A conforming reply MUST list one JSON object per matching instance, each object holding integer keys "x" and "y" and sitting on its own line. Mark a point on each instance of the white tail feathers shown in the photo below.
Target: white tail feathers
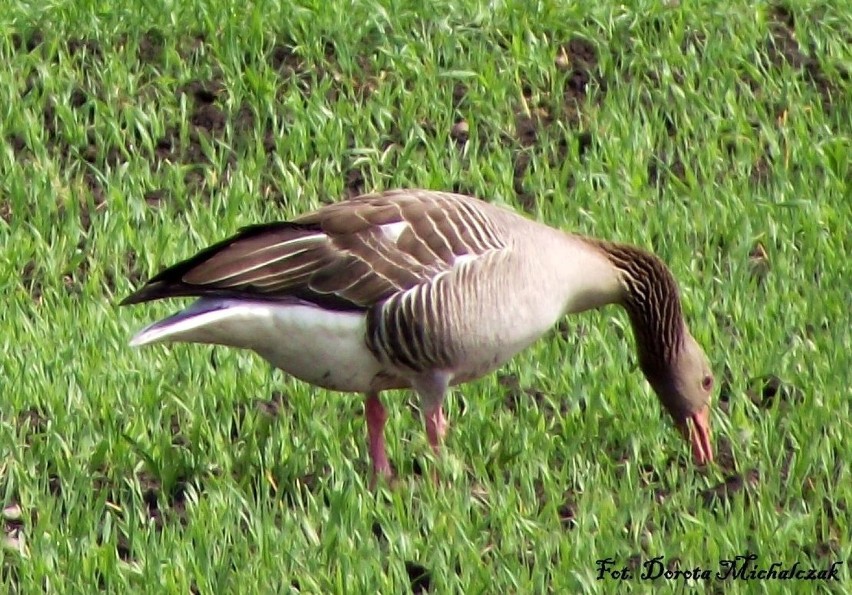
{"x": 205, "y": 321}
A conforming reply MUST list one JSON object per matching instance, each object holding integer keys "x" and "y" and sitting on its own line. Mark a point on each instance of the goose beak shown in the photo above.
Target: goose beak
{"x": 697, "y": 433}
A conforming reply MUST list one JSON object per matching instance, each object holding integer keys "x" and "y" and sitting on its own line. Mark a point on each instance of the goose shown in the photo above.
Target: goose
{"x": 424, "y": 290}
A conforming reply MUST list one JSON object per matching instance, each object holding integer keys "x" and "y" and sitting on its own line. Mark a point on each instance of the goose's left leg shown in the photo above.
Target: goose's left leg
{"x": 432, "y": 388}
{"x": 376, "y": 416}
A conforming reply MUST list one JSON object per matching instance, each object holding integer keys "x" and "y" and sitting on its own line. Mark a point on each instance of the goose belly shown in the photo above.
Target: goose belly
{"x": 486, "y": 356}
{"x": 488, "y": 341}
{"x": 324, "y": 348}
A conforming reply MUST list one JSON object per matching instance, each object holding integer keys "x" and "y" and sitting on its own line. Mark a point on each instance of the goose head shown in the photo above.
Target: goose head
{"x": 684, "y": 386}
{"x": 671, "y": 359}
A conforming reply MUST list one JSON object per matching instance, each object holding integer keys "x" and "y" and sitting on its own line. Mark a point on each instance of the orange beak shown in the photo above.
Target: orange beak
{"x": 698, "y": 435}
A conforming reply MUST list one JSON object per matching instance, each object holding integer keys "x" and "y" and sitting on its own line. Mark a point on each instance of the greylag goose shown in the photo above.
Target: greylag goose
{"x": 424, "y": 290}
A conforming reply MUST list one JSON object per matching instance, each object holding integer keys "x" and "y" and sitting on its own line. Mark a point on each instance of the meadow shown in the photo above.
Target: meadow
{"x": 135, "y": 134}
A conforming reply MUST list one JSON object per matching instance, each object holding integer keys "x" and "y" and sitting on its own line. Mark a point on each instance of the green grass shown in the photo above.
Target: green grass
{"x": 156, "y": 470}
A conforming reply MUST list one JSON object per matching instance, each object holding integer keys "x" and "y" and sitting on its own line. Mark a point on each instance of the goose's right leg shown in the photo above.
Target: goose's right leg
{"x": 432, "y": 388}
{"x": 376, "y": 416}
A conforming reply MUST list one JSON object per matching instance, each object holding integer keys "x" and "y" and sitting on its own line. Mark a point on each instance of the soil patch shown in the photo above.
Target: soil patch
{"x": 354, "y": 183}
{"x": 419, "y": 577}
{"x": 155, "y": 198}
{"x": 517, "y": 398}
{"x": 150, "y": 47}
{"x": 33, "y": 281}
{"x": 783, "y": 48}
{"x": 88, "y": 51}
{"x": 165, "y": 504}
{"x": 266, "y": 408}
{"x": 284, "y": 59}
{"x": 27, "y": 42}
{"x": 31, "y": 422}
{"x": 567, "y": 511}
{"x": 580, "y": 58}
{"x": 130, "y": 270}
{"x": 192, "y": 47}
{"x": 540, "y": 121}
{"x": 717, "y": 496}
{"x": 664, "y": 167}
{"x": 765, "y": 391}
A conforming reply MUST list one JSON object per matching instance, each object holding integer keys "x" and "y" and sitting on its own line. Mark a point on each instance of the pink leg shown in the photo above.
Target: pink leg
{"x": 376, "y": 416}
{"x": 431, "y": 387}
{"x": 436, "y": 427}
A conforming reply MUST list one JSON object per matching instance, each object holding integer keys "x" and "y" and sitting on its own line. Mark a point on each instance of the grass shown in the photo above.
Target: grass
{"x": 134, "y": 136}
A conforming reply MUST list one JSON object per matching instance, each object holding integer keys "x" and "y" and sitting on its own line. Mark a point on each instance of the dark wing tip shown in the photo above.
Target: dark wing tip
{"x": 133, "y": 298}
{"x": 152, "y": 290}
{"x": 169, "y": 283}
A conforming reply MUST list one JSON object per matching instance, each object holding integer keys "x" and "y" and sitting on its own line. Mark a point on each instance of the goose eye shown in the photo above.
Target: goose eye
{"x": 707, "y": 383}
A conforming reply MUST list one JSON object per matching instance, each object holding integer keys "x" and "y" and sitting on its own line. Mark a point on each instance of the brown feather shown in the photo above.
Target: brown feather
{"x": 338, "y": 256}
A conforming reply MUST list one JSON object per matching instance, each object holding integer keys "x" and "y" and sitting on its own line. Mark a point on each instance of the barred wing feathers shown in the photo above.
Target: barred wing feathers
{"x": 345, "y": 256}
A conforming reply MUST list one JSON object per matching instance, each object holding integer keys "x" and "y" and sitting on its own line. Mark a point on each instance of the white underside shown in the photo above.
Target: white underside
{"x": 323, "y": 348}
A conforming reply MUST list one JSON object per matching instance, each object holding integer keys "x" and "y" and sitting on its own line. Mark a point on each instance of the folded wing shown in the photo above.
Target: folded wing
{"x": 346, "y": 256}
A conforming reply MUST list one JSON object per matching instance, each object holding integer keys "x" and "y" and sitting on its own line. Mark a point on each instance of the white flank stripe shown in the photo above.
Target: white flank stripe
{"x": 324, "y": 348}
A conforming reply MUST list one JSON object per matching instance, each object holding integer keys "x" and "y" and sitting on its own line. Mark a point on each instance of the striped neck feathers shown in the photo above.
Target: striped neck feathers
{"x": 652, "y": 301}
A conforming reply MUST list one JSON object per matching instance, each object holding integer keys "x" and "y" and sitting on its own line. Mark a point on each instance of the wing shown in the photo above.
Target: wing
{"x": 346, "y": 256}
